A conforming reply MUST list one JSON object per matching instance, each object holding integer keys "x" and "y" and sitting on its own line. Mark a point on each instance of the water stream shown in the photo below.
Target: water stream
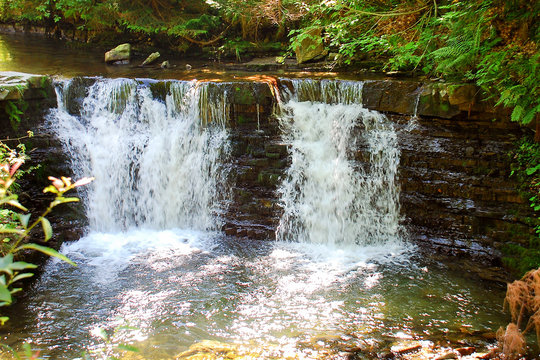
{"x": 341, "y": 272}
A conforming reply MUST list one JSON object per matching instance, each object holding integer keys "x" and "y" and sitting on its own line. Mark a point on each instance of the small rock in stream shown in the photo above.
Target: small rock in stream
{"x": 446, "y": 356}
{"x": 405, "y": 349}
{"x": 151, "y": 58}
{"x": 464, "y": 351}
{"x": 121, "y": 53}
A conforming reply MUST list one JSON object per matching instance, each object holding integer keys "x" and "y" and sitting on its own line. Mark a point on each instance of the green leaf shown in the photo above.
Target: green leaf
{"x": 15, "y": 290}
{"x": 126, "y": 347}
{"x": 7, "y": 347}
{"x": 47, "y": 228}
{"x": 52, "y": 189}
{"x": 22, "y": 276}
{"x": 24, "y": 219}
{"x": 14, "y": 203}
{"x": 532, "y": 170}
{"x": 5, "y": 294}
{"x": 21, "y": 265}
{"x": 3, "y": 320}
{"x": 47, "y": 251}
{"x": 11, "y": 231}
{"x": 6, "y": 261}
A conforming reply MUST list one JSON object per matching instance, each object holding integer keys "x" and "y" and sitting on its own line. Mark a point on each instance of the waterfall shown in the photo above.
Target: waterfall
{"x": 341, "y": 185}
{"x": 158, "y": 162}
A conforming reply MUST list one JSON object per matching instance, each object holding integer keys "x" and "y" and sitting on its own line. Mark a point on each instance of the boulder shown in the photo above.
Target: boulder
{"x": 311, "y": 47}
{"x": 151, "y": 58}
{"x": 120, "y": 53}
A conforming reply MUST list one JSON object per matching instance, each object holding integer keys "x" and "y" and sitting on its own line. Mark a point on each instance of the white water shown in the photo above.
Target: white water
{"x": 155, "y": 164}
{"x": 327, "y": 196}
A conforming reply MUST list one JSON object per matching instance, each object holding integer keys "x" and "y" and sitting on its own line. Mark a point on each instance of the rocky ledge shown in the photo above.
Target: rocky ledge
{"x": 454, "y": 172}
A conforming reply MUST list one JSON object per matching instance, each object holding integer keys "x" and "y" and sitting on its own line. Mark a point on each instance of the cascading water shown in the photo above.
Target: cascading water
{"x": 155, "y": 163}
{"x": 152, "y": 259}
{"x": 327, "y": 196}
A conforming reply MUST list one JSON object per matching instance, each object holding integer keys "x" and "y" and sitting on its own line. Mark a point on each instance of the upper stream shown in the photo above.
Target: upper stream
{"x": 341, "y": 274}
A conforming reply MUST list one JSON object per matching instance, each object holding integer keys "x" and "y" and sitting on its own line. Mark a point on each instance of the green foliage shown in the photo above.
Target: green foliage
{"x": 526, "y": 168}
{"x": 15, "y": 225}
{"x": 520, "y": 258}
{"x": 491, "y": 42}
{"x": 196, "y": 27}
{"x": 514, "y": 78}
{"x": 15, "y": 110}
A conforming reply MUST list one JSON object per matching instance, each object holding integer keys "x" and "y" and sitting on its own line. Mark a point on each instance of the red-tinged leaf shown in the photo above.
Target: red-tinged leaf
{"x": 57, "y": 183}
{"x": 83, "y": 181}
{"x": 16, "y": 166}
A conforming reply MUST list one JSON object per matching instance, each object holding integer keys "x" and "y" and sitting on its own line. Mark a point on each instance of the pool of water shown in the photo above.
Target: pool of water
{"x": 177, "y": 287}
{"x": 37, "y": 54}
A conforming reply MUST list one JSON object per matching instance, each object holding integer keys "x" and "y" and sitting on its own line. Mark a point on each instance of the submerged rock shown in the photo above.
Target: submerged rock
{"x": 209, "y": 349}
{"x": 151, "y": 58}
{"x": 120, "y": 53}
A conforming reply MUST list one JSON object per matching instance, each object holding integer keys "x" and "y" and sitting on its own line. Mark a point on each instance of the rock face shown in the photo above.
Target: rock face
{"x": 151, "y": 58}
{"x": 120, "y": 53}
{"x": 311, "y": 47}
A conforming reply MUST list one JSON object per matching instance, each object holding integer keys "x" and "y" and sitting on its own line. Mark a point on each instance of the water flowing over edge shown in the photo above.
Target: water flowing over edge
{"x": 329, "y": 195}
{"x": 158, "y": 162}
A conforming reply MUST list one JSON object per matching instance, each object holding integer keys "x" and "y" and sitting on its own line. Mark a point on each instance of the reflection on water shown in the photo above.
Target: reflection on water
{"x": 5, "y": 54}
{"x": 178, "y": 287}
{"x": 36, "y": 54}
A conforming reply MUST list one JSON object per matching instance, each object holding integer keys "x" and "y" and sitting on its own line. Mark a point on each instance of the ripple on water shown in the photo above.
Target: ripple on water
{"x": 178, "y": 287}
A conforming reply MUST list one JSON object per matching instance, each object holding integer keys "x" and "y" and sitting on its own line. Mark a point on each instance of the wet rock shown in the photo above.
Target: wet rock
{"x": 151, "y": 59}
{"x": 492, "y": 354}
{"x": 446, "y": 356}
{"x": 18, "y": 86}
{"x": 390, "y": 95}
{"x": 405, "y": 349}
{"x": 165, "y": 65}
{"x": 188, "y": 67}
{"x": 311, "y": 47}
{"x": 466, "y": 350}
{"x": 120, "y": 53}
